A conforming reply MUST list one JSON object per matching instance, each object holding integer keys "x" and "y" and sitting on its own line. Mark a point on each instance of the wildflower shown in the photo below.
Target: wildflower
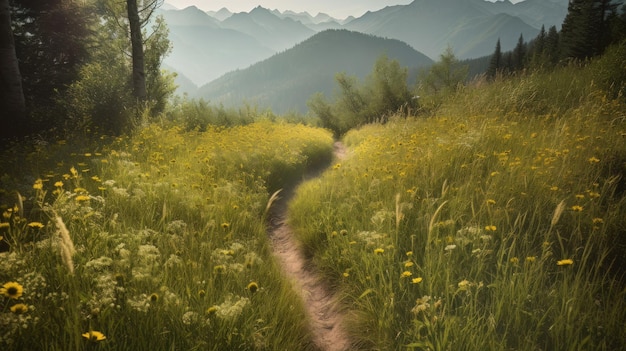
{"x": 58, "y": 184}
{"x": 577, "y": 208}
{"x": 346, "y": 274}
{"x": 580, "y": 196}
{"x": 82, "y": 198}
{"x": 565, "y": 262}
{"x": 225, "y": 225}
{"x": 491, "y": 228}
{"x": 593, "y": 160}
{"x": 514, "y": 260}
{"x": 408, "y": 264}
{"x": 531, "y": 259}
{"x": 594, "y": 194}
{"x": 464, "y": 284}
{"x": 554, "y": 188}
{"x": 597, "y": 221}
{"x": 37, "y": 225}
{"x": 94, "y": 336}
{"x": 491, "y": 202}
{"x": 19, "y": 308}
{"x": 219, "y": 269}
{"x": 406, "y": 274}
{"x": 4, "y": 225}
{"x": 253, "y": 287}
{"x": 12, "y": 290}
{"x": 450, "y": 247}
{"x": 201, "y": 293}
{"x": 343, "y": 232}
{"x": 421, "y": 304}
{"x": 379, "y": 251}
{"x": 38, "y": 184}
{"x": 416, "y": 280}
{"x": 211, "y": 310}
{"x": 495, "y": 173}
{"x": 409, "y": 253}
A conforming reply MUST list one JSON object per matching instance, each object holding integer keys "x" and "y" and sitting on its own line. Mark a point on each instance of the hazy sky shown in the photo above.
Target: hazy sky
{"x": 336, "y": 8}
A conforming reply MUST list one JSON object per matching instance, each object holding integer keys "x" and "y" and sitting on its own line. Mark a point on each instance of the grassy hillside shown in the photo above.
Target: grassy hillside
{"x": 497, "y": 224}
{"x": 156, "y": 241}
{"x": 287, "y": 80}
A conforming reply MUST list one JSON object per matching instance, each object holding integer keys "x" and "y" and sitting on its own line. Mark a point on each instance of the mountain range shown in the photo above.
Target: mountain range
{"x": 207, "y": 45}
{"x": 285, "y": 81}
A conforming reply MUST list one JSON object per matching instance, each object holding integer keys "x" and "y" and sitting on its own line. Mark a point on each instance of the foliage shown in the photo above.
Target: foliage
{"x": 52, "y": 40}
{"x": 199, "y": 115}
{"x": 441, "y": 80}
{"x": 155, "y": 241}
{"x": 384, "y": 92}
{"x": 497, "y": 224}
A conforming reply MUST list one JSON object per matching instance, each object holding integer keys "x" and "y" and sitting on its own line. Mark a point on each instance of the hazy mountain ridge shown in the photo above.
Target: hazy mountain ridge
{"x": 209, "y": 44}
{"x": 285, "y": 81}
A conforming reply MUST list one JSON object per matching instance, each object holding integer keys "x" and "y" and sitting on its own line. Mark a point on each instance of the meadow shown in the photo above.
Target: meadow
{"x": 153, "y": 241}
{"x": 496, "y": 222}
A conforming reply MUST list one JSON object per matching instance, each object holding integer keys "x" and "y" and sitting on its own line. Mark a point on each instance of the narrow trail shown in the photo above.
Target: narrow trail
{"x": 320, "y": 303}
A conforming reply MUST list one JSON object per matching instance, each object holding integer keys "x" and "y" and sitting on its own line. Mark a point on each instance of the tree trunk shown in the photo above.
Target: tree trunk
{"x": 12, "y": 104}
{"x": 139, "y": 76}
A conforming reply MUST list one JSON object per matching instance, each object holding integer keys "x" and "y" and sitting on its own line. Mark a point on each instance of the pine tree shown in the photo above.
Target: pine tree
{"x": 551, "y": 47}
{"x": 495, "y": 64}
{"x": 519, "y": 54}
{"x": 586, "y": 32}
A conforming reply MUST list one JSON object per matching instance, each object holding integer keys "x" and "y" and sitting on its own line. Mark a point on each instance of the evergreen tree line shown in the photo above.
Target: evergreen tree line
{"x": 72, "y": 66}
{"x": 589, "y": 27}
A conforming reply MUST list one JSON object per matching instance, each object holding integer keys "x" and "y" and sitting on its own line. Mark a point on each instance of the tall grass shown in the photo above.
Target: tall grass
{"x": 170, "y": 248}
{"x": 495, "y": 225}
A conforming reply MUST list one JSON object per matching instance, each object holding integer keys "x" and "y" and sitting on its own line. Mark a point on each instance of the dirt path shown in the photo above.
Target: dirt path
{"x": 319, "y": 300}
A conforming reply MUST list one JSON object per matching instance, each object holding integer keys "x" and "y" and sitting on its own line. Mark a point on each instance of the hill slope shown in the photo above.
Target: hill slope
{"x": 287, "y": 80}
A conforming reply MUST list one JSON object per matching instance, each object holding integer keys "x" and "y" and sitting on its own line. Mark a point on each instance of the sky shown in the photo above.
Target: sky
{"x": 336, "y": 8}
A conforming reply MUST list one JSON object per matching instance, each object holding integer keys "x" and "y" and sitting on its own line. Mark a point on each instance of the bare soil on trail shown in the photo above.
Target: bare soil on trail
{"x": 322, "y": 309}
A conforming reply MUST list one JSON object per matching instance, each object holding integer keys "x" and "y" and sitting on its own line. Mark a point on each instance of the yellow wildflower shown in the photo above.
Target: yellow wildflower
{"x": 12, "y": 290}
{"x": 416, "y": 280}
{"x": 406, "y": 274}
{"x": 490, "y": 228}
{"x": 577, "y": 208}
{"x": 38, "y": 225}
{"x": 379, "y": 251}
{"x": 253, "y": 287}
{"x": 38, "y": 184}
{"x": 565, "y": 262}
{"x": 211, "y": 310}
{"x": 19, "y": 308}
{"x": 94, "y": 336}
